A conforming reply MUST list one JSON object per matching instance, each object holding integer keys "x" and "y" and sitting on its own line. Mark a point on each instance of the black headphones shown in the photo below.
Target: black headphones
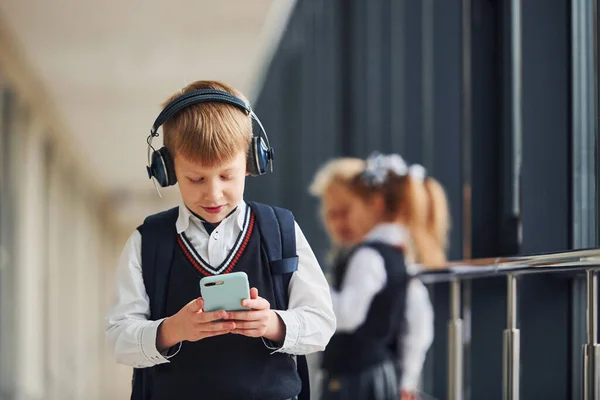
{"x": 160, "y": 162}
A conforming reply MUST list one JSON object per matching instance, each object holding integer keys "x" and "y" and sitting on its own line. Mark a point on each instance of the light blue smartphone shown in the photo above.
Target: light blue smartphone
{"x": 225, "y": 292}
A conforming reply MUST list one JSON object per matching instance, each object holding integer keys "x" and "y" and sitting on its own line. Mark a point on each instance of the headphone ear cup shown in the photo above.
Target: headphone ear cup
{"x": 170, "y": 164}
{"x": 163, "y": 168}
{"x": 251, "y": 159}
{"x": 259, "y": 156}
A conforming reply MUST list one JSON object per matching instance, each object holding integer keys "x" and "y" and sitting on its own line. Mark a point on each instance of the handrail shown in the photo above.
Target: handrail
{"x": 568, "y": 261}
{"x": 587, "y": 260}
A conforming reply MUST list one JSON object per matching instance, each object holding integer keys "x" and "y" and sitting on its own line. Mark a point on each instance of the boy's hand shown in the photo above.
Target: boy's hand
{"x": 191, "y": 323}
{"x": 259, "y": 321}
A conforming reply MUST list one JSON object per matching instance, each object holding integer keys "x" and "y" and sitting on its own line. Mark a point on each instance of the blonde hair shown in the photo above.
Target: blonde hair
{"x": 339, "y": 170}
{"x": 419, "y": 204}
{"x": 209, "y": 133}
{"x": 430, "y": 232}
{"x": 438, "y": 222}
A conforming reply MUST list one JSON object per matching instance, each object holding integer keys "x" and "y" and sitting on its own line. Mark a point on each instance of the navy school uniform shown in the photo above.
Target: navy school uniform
{"x": 385, "y": 321}
{"x": 224, "y": 367}
{"x": 228, "y": 366}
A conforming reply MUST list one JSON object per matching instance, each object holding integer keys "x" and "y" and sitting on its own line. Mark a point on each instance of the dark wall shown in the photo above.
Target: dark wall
{"x": 346, "y": 81}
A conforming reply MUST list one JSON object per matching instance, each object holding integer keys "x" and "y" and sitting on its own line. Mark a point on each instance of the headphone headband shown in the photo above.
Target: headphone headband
{"x": 160, "y": 163}
{"x": 197, "y": 97}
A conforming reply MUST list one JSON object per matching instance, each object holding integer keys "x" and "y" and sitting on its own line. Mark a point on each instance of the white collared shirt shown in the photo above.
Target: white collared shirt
{"x": 309, "y": 320}
{"x": 365, "y": 277}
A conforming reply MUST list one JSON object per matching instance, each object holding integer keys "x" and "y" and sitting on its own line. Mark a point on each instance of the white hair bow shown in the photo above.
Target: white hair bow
{"x": 379, "y": 165}
{"x": 418, "y": 172}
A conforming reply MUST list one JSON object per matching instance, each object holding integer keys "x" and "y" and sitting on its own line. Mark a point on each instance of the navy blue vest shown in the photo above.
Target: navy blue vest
{"x": 375, "y": 340}
{"x": 228, "y": 366}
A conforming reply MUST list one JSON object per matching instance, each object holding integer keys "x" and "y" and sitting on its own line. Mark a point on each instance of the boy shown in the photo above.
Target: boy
{"x": 186, "y": 352}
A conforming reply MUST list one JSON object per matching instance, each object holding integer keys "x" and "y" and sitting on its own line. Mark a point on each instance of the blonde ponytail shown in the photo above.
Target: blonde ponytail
{"x": 416, "y": 213}
{"x": 438, "y": 220}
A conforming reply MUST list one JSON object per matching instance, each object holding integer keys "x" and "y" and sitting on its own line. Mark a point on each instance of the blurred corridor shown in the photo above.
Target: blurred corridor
{"x": 498, "y": 99}
{"x": 80, "y": 86}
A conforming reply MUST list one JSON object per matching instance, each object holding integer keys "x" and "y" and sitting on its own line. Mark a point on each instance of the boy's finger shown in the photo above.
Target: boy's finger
{"x": 205, "y": 317}
{"x": 254, "y": 293}
{"x": 200, "y": 304}
{"x": 217, "y": 326}
{"x": 245, "y": 315}
{"x": 256, "y": 304}
{"x": 247, "y": 325}
{"x": 196, "y": 305}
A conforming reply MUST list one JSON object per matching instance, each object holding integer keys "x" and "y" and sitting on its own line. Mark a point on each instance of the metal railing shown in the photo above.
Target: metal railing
{"x": 587, "y": 261}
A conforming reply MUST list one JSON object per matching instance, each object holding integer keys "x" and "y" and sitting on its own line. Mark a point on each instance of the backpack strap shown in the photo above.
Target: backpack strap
{"x": 277, "y": 227}
{"x": 278, "y": 230}
{"x": 158, "y": 244}
{"x": 159, "y": 236}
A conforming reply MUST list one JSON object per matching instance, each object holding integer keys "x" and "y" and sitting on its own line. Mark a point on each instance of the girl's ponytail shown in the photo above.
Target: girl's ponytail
{"x": 419, "y": 211}
{"x": 438, "y": 219}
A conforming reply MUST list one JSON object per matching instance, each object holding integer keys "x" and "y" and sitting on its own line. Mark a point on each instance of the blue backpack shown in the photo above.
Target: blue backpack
{"x": 276, "y": 227}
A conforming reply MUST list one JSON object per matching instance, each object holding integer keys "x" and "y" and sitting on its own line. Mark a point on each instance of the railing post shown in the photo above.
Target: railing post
{"x": 511, "y": 356}
{"x": 455, "y": 345}
{"x": 591, "y": 354}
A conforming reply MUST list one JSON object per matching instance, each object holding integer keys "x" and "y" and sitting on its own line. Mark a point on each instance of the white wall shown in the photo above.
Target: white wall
{"x": 63, "y": 244}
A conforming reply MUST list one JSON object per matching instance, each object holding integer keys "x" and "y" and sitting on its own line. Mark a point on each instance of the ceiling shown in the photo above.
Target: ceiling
{"x": 106, "y": 67}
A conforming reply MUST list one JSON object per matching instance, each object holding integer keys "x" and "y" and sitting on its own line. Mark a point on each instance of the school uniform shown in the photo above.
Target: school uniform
{"x": 376, "y": 303}
{"x": 227, "y": 366}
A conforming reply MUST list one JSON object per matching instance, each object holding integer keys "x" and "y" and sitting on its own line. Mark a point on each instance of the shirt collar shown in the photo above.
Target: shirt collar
{"x": 185, "y": 215}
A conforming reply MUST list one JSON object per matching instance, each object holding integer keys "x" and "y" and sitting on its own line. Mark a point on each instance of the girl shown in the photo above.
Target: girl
{"x": 374, "y": 299}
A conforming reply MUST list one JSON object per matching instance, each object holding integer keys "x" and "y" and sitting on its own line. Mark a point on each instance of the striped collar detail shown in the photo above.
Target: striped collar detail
{"x": 231, "y": 260}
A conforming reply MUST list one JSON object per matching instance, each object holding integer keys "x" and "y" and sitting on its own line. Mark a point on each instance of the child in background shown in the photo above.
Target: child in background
{"x": 374, "y": 298}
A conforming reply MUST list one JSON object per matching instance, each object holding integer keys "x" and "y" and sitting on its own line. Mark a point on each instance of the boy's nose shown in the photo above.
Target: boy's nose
{"x": 213, "y": 193}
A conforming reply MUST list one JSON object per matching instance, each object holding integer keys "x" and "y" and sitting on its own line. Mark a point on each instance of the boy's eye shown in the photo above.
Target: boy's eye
{"x": 226, "y": 177}
{"x": 199, "y": 180}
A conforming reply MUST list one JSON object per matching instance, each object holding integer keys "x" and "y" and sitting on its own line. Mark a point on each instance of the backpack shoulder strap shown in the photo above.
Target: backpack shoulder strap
{"x": 278, "y": 229}
{"x": 158, "y": 243}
